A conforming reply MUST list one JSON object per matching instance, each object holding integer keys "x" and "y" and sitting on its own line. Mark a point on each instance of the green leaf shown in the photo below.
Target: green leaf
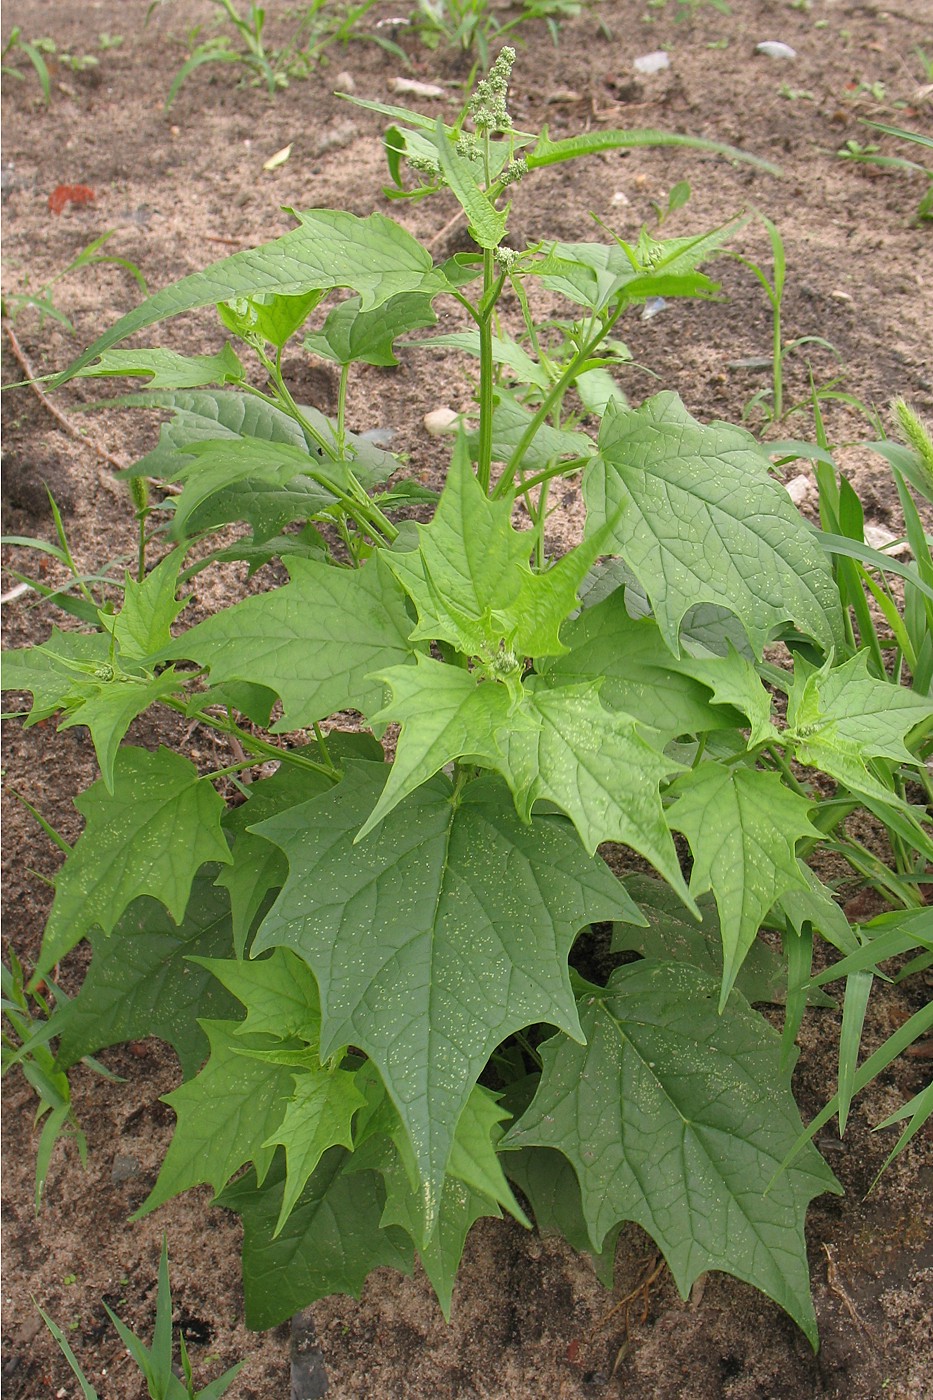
{"x": 149, "y": 837}
{"x": 599, "y": 767}
{"x": 486, "y": 223}
{"x": 330, "y": 1243}
{"x": 548, "y": 152}
{"x": 597, "y": 275}
{"x": 505, "y": 351}
{"x": 278, "y": 991}
{"x": 676, "y": 1117}
{"x": 445, "y": 713}
{"x": 735, "y": 682}
{"x": 352, "y": 336}
{"x": 315, "y": 641}
{"x": 473, "y": 1156}
{"x": 459, "y": 1209}
{"x": 642, "y": 678}
{"x": 109, "y": 709}
{"x": 471, "y": 582}
{"x": 743, "y": 826}
{"x": 142, "y": 983}
{"x": 170, "y": 370}
{"x": 258, "y": 866}
{"x": 318, "y": 1116}
{"x": 671, "y": 936}
{"x": 839, "y": 717}
{"x": 331, "y": 248}
{"x": 510, "y": 420}
{"x": 813, "y": 904}
{"x": 207, "y": 416}
{"x": 45, "y": 672}
{"x": 227, "y": 469}
{"x": 143, "y": 625}
{"x": 273, "y": 317}
{"x": 699, "y": 520}
{"x": 225, "y": 1116}
{"x": 434, "y": 938}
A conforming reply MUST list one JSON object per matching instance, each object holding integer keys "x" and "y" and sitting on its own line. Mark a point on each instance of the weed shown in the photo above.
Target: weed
{"x": 374, "y": 967}
{"x": 30, "y": 50}
{"x": 155, "y": 1363}
{"x": 42, "y": 299}
{"x": 871, "y": 155}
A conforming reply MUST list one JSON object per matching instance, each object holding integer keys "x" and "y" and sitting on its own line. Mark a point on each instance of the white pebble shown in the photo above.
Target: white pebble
{"x": 773, "y": 48}
{"x": 441, "y": 420}
{"x": 650, "y": 63}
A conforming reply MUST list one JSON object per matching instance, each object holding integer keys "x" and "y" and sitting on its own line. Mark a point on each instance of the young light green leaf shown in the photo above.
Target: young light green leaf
{"x": 278, "y": 991}
{"x": 316, "y": 641}
{"x": 699, "y": 520}
{"x": 601, "y": 768}
{"x": 109, "y": 708}
{"x": 352, "y": 336}
{"x": 141, "y": 981}
{"x": 149, "y": 837}
{"x": 743, "y": 826}
{"x": 734, "y": 681}
{"x": 318, "y": 1116}
{"x": 273, "y": 317}
{"x": 330, "y": 1243}
{"x": 840, "y": 717}
{"x": 45, "y": 671}
{"x": 374, "y": 256}
{"x": 676, "y": 1117}
{"x": 471, "y": 582}
{"x": 548, "y": 152}
{"x": 433, "y": 939}
{"x": 642, "y": 678}
{"x": 473, "y": 1156}
{"x": 168, "y": 369}
{"x": 224, "y": 1116}
{"x": 143, "y": 625}
{"x": 445, "y": 713}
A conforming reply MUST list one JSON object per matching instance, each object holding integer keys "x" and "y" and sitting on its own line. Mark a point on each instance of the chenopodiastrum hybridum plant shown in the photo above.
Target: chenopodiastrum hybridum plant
{"x": 372, "y": 971}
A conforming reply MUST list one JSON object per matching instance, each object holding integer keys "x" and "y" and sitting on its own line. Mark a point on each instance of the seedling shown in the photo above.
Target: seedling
{"x": 155, "y": 1363}
{"x": 870, "y": 154}
{"x": 371, "y": 971}
{"x": 42, "y": 299}
{"x": 32, "y": 52}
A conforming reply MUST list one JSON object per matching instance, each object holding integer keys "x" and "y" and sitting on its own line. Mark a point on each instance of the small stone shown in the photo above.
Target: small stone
{"x": 839, "y": 295}
{"x": 410, "y": 87}
{"x": 773, "y": 48}
{"x": 620, "y": 198}
{"x": 441, "y": 420}
{"x": 124, "y": 1168}
{"x": 563, "y": 95}
{"x": 653, "y": 307}
{"x": 880, "y": 538}
{"x": 654, "y": 62}
{"x": 344, "y": 82}
{"x": 800, "y": 489}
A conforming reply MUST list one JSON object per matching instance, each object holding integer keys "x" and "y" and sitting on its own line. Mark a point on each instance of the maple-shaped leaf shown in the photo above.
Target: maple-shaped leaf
{"x": 840, "y": 717}
{"x": 603, "y": 769}
{"x": 672, "y": 935}
{"x": 445, "y": 713}
{"x": 318, "y": 1116}
{"x": 434, "y": 938}
{"x": 59, "y": 673}
{"x": 330, "y": 1243}
{"x": 640, "y": 676}
{"x": 697, "y": 517}
{"x": 471, "y": 581}
{"x": 473, "y": 1156}
{"x": 258, "y": 866}
{"x": 743, "y": 826}
{"x": 150, "y": 836}
{"x": 225, "y": 1115}
{"x": 109, "y": 708}
{"x": 735, "y": 682}
{"x": 352, "y": 336}
{"x": 278, "y": 991}
{"x": 678, "y": 1118}
{"x": 315, "y": 642}
{"x": 143, "y": 625}
{"x": 142, "y": 981}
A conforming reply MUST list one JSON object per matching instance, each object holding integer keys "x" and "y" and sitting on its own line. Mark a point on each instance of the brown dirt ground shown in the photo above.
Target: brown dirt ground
{"x": 181, "y": 188}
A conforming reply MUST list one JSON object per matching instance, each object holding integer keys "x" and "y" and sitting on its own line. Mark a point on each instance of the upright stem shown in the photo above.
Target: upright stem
{"x": 486, "y": 372}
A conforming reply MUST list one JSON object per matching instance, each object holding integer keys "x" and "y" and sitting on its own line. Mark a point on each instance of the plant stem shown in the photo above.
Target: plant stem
{"x": 251, "y": 742}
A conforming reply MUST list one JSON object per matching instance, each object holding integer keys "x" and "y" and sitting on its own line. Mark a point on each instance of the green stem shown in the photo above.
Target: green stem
{"x": 251, "y": 742}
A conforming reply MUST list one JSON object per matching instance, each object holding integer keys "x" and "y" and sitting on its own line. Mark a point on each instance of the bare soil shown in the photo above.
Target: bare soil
{"x": 184, "y": 187}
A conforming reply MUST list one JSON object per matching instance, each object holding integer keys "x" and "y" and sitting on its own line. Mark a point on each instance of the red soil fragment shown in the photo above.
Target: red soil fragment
{"x": 69, "y": 194}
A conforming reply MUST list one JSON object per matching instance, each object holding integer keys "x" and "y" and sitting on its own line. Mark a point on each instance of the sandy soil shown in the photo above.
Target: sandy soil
{"x": 184, "y": 187}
